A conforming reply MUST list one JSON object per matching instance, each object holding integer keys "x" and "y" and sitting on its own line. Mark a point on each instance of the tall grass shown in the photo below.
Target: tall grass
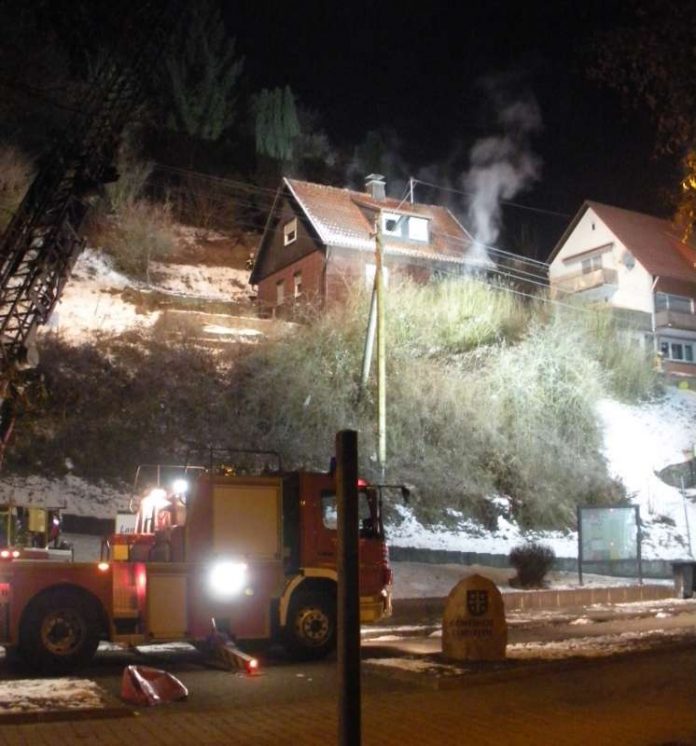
{"x": 487, "y": 396}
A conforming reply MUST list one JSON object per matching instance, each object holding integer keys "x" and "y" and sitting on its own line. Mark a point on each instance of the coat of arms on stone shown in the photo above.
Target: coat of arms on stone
{"x": 477, "y": 602}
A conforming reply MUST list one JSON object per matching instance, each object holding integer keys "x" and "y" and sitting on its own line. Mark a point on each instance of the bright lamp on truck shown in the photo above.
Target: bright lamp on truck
{"x": 228, "y": 579}
{"x": 180, "y": 487}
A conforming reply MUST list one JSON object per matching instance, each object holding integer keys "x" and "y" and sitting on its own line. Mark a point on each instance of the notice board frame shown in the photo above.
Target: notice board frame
{"x": 636, "y": 510}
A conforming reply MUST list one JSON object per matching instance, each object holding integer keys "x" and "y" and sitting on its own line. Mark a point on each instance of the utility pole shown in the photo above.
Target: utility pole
{"x": 381, "y": 358}
{"x": 410, "y": 189}
{"x": 369, "y": 339}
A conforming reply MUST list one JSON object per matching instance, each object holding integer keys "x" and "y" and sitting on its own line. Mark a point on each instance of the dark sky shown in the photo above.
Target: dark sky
{"x": 415, "y": 69}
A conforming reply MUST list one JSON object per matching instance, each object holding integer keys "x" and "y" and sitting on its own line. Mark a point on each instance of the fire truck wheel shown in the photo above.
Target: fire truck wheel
{"x": 311, "y": 625}
{"x": 59, "y": 631}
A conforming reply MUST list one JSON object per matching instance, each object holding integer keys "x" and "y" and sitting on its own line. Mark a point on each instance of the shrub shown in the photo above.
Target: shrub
{"x": 139, "y": 233}
{"x": 532, "y": 561}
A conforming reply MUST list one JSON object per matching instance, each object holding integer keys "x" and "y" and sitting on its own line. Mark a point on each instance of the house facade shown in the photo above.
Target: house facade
{"x": 638, "y": 265}
{"x": 319, "y": 241}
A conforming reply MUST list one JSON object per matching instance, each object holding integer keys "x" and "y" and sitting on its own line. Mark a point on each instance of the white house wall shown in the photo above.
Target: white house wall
{"x": 634, "y": 285}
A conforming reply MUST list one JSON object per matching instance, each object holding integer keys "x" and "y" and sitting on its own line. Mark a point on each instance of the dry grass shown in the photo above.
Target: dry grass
{"x": 486, "y": 397}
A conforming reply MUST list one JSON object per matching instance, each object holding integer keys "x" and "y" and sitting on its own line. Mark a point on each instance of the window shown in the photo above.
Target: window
{"x": 368, "y": 515}
{"x": 677, "y": 303}
{"x": 297, "y": 284}
{"x": 280, "y": 292}
{"x": 418, "y": 229}
{"x": 678, "y": 351}
{"x": 290, "y": 232}
{"x": 591, "y": 263}
{"x": 410, "y": 227}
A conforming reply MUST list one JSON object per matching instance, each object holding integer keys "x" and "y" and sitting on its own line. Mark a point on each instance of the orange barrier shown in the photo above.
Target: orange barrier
{"x": 142, "y": 685}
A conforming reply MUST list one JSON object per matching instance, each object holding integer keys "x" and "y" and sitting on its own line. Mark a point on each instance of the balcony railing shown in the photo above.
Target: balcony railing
{"x": 675, "y": 320}
{"x": 579, "y": 282}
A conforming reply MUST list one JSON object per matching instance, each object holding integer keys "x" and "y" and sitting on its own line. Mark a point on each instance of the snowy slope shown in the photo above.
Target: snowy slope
{"x": 637, "y": 440}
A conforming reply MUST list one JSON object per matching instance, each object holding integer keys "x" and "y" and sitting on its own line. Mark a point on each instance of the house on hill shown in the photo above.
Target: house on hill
{"x": 636, "y": 264}
{"x": 320, "y": 240}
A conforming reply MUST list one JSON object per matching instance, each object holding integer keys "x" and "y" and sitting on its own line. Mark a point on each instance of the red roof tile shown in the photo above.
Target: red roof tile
{"x": 654, "y": 242}
{"x": 342, "y": 217}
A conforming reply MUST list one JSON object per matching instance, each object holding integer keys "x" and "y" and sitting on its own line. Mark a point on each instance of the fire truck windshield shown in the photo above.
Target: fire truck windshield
{"x": 368, "y": 512}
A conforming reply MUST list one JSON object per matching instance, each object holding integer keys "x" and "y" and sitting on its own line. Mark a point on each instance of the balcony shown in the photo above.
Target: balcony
{"x": 602, "y": 283}
{"x": 675, "y": 320}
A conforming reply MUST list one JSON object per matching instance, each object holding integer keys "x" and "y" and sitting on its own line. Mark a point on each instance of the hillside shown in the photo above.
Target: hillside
{"x": 183, "y": 306}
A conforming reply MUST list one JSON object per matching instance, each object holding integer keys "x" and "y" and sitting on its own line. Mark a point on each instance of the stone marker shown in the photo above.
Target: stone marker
{"x": 474, "y": 626}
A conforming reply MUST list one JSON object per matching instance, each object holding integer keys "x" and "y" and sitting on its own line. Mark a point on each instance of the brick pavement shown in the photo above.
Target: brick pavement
{"x": 642, "y": 701}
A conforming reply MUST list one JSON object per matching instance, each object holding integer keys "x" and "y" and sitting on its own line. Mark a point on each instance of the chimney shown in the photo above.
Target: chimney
{"x": 375, "y": 186}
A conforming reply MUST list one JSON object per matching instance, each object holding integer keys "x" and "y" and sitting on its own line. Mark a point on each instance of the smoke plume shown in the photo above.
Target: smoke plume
{"x": 501, "y": 165}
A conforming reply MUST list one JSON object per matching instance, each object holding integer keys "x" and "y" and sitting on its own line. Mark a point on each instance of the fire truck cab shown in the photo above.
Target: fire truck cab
{"x": 253, "y": 556}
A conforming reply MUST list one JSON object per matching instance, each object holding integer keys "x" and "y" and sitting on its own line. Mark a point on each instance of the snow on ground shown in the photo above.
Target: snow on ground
{"x": 213, "y": 283}
{"x": 40, "y": 695}
{"x": 91, "y": 302}
{"x": 74, "y": 495}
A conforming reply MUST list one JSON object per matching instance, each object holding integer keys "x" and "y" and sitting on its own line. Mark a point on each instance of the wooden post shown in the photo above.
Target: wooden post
{"x": 349, "y": 706}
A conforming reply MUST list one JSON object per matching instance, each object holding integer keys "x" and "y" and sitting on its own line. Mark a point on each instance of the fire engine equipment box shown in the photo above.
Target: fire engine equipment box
{"x": 37, "y": 520}
{"x": 167, "y": 603}
{"x": 247, "y": 519}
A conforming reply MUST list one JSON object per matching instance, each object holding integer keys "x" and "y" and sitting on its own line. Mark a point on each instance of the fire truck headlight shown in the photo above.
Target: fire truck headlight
{"x": 180, "y": 487}
{"x": 228, "y": 578}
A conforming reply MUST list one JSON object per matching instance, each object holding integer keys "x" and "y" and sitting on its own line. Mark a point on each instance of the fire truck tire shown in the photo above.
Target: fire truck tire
{"x": 59, "y": 631}
{"x": 310, "y": 631}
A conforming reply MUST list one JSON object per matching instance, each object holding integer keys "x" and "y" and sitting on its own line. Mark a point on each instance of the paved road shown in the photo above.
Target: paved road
{"x": 638, "y": 700}
{"x": 645, "y": 699}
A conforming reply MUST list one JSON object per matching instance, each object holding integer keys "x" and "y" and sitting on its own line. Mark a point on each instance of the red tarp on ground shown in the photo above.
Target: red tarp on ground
{"x": 141, "y": 685}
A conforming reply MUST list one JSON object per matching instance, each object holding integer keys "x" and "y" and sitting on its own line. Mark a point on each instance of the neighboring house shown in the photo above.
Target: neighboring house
{"x": 320, "y": 240}
{"x": 639, "y": 265}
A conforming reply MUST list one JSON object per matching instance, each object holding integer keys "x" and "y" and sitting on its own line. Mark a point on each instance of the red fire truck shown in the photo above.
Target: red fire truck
{"x": 251, "y": 556}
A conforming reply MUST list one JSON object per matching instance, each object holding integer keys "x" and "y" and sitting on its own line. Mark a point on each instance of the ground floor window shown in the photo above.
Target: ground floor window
{"x": 678, "y": 350}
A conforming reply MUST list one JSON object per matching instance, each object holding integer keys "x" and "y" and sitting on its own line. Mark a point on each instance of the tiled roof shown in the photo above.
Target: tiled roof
{"x": 654, "y": 242}
{"x": 340, "y": 217}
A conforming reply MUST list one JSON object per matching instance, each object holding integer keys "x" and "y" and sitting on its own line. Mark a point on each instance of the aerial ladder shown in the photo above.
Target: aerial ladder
{"x": 43, "y": 240}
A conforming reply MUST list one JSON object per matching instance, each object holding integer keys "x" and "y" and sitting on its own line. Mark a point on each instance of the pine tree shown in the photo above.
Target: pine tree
{"x": 202, "y": 76}
{"x": 277, "y": 124}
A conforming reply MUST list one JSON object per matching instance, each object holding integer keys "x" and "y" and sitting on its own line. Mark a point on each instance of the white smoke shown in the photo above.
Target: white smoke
{"x": 501, "y": 167}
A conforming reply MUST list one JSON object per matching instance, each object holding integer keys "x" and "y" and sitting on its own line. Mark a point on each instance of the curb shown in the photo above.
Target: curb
{"x": 417, "y": 609}
{"x": 117, "y": 710}
{"x": 513, "y": 669}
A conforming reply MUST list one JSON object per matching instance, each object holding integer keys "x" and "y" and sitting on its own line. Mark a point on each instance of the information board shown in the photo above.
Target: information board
{"x": 609, "y": 534}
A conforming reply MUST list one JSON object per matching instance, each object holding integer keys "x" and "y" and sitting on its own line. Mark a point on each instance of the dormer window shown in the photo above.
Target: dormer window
{"x": 411, "y": 227}
{"x": 418, "y": 229}
{"x": 290, "y": 232}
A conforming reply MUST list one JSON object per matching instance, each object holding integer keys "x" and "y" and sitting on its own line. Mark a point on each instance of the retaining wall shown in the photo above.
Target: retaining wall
{"x": 655, "y": 569}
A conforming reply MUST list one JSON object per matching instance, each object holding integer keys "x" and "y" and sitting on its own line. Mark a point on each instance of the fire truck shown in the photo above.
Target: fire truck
{"x": 253, "y": 557}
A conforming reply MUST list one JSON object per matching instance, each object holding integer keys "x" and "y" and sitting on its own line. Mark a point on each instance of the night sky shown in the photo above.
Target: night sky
{"x": 366, "y": 65}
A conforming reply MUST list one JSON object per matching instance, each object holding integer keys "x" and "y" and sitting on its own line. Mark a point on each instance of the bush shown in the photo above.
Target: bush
{"x": 139, "y": 233}
{"x": 532, "y": 561}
